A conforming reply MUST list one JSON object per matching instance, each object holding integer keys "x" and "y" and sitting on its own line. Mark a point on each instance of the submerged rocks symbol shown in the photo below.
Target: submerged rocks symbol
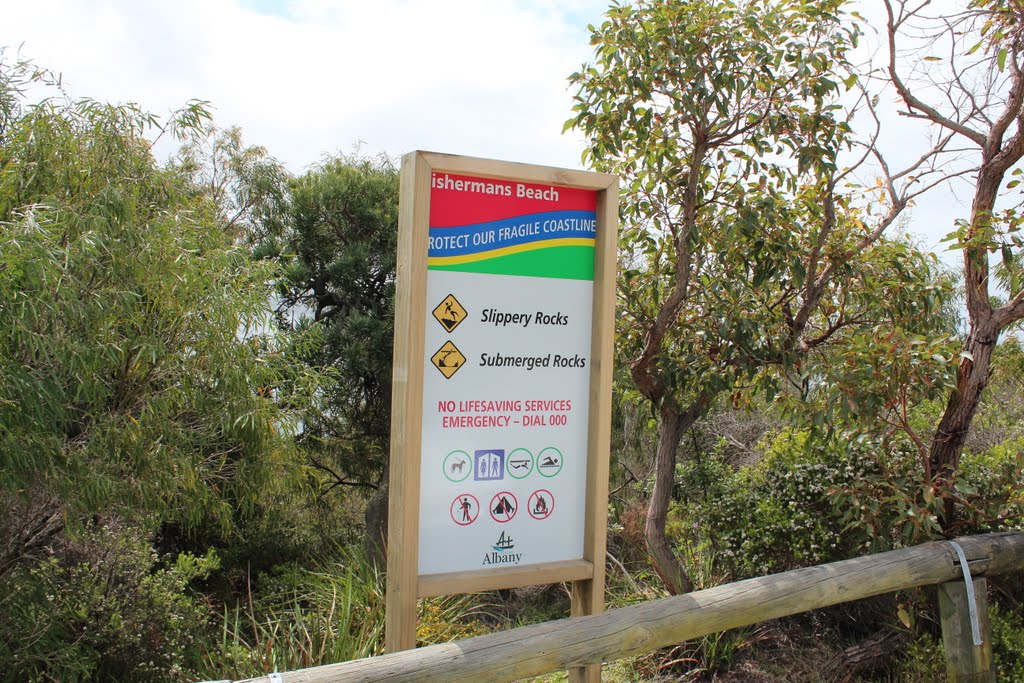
{"x": 448, "y": 359}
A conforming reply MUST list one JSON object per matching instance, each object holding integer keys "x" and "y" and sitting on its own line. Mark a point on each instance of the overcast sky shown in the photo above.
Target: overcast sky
{"x": 309, "y": 77}
{"x": 305, "y": 78}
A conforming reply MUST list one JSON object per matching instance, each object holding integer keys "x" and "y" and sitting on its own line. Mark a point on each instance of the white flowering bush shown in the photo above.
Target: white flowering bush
{"x": 776, "y": 514}
{"x": 989, "y": 487}
{"x": 809, "y": 501}
{"x": 105, "y": 609}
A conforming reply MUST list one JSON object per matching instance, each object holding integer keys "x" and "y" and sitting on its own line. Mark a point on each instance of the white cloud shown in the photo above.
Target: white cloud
{"x": 309, "y": 77}
{"x": 306, "y": 78}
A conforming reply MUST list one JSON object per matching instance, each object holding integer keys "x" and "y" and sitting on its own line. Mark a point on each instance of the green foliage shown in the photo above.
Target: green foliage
{"x": 1007, "y": 643}
{"x": 744, "y": 256}
{"x": 720, "y": 119}
{"x": 452, "y": 617}
{"x": 707, "y": 657}
{"x": 109, "y": 611}
{"x": 776, "y": 514}
{"x": 339, "y": 251}
{"x": 925, "y": 662}
{"x": 248, "y": 186}
{"x": 300, "y": 617}
{"x": 811, "y": 501}
{"x": 132, "y": 340}
{"x": 893, "y": 506}
{"x": 988, "y": 484}
{"x": 986, "y": 42}
{"x": 903, "y": 354}
{"x": 144, "y": 391}
{"x": 1000, "y": 417}
{"x": 766, "y": 68}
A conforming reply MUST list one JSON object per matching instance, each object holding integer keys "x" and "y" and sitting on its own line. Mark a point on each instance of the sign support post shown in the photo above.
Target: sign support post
{"x": 406, "y": 408}
{"x": 588, "y": 595}
{"x": 501, "y": 407}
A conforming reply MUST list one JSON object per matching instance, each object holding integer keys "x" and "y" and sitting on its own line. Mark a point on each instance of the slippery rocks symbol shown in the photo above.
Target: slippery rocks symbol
{"x": 450, "y": 313}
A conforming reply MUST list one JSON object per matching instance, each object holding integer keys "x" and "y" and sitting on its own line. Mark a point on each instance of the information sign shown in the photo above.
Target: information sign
{"x": 501, "y": 416}
{"x": 510, "y": 285}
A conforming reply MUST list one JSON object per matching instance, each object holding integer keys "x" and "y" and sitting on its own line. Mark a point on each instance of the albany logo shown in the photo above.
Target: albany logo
{"x": 501, "y": 552}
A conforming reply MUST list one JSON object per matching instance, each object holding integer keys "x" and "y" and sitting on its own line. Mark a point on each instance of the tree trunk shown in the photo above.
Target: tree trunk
{"x": 671, "y": 571}
{"x": 376, "y": 518}
{"x": 948, "y": 443}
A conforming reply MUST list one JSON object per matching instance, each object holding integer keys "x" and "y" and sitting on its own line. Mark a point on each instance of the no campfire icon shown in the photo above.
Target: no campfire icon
{"x": 541, "y": 504}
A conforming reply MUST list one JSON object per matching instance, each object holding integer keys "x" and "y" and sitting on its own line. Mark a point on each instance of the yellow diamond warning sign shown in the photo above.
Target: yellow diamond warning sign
{"x": 450, "y": 313}
{"x": 448, "y": 359}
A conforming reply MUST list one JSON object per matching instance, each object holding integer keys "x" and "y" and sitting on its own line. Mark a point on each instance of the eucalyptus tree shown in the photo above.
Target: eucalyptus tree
{"x": 965, "y": 82}
{"x": 247, "y": 184}
{"x": 742, "y": 251}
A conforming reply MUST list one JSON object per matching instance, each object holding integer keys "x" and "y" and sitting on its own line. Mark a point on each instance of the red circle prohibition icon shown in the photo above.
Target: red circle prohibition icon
{"x": 465, "y": 509}
{"x": 541, "y": 504}
{"x": 504, "y": 507}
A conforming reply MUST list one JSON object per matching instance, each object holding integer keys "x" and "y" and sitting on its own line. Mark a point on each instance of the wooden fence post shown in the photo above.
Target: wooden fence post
{"x": 965, "y": 661}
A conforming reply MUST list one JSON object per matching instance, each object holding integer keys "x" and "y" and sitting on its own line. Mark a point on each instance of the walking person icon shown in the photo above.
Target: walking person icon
{"x": 465, "y": 509}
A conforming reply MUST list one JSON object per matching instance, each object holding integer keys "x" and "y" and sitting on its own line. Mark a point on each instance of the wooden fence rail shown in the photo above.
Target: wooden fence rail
{"x": 642, "y": 628}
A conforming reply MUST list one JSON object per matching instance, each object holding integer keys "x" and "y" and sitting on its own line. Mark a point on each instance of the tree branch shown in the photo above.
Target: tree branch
{"x": 908, "y": 97}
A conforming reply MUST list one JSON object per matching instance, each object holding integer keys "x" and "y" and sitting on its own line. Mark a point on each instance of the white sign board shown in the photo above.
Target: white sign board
{"x": 500, "y": 424}
{"x": 510, "y": 285}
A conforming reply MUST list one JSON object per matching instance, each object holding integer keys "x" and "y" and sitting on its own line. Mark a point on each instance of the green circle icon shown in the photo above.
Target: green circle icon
{"x": 519, "y": 463}
{"x": 549, "y": 462}
{"x": 457, "y": 466}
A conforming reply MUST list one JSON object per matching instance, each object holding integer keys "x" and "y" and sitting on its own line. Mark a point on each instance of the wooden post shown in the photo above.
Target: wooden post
{"x": 407, "y": 411}
{"x": 965, "y": 661}
{"x": 588, "y": 595}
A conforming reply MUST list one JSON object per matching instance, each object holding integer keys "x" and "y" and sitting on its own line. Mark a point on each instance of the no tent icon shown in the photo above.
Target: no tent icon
{"x": 503, "y": 507}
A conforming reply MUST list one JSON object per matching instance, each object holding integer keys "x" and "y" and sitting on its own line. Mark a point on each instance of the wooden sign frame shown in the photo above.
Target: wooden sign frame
{"x": 404, "y": 583}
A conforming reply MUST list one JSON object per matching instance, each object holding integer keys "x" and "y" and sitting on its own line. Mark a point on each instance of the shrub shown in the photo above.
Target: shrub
{"x": 810, "y": 501}
{"x": 1007, "y": 643}
{"x": 298, "y": 618}
{"x": 988, "y": 484}
{"x": 775, "y": 514}
{"x": 108, "y": 610}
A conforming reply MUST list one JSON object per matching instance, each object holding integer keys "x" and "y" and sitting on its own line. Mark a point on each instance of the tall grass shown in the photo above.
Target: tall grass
{"x": 303, "y": 618}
